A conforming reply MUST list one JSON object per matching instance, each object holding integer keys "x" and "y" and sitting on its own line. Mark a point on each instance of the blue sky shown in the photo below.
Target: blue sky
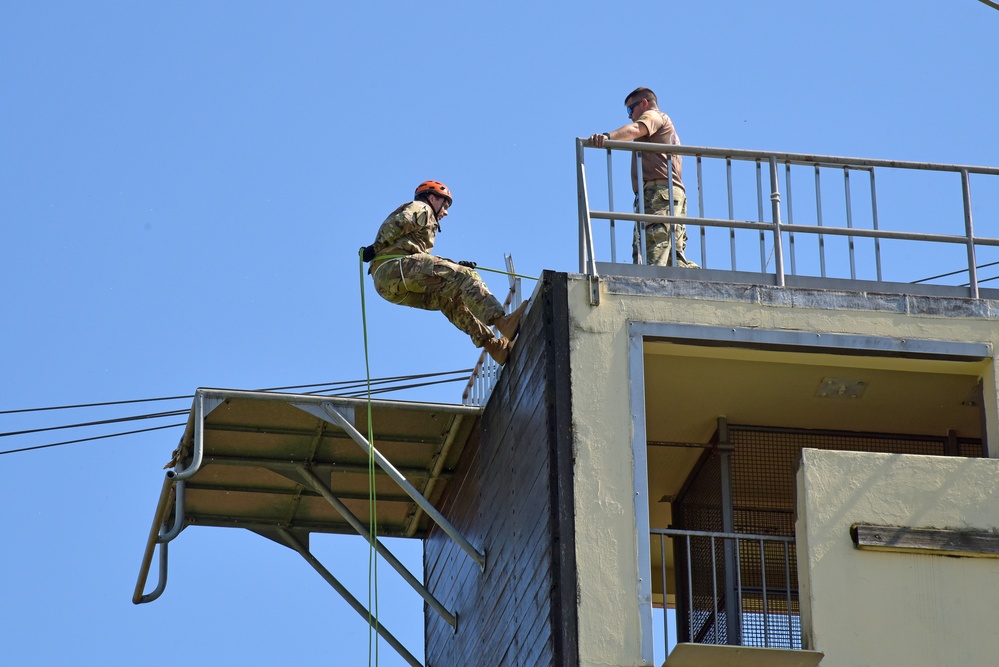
{"x": 184, "y": 186}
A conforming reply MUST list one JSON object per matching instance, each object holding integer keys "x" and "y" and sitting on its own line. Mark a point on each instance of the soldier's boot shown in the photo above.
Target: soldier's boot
{"x": 509, "y": 325}
{"x": 498, "y": 349}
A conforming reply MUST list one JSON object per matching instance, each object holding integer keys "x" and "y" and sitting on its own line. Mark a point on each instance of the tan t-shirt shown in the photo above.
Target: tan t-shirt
{"x": 661, "y": 131}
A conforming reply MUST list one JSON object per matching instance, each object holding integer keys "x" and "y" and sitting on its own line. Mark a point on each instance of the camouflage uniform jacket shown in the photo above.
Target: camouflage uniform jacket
{"x": 408, "y": 230}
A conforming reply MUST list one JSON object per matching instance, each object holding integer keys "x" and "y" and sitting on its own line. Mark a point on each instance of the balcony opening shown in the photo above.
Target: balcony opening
{"x": 724, "y": 427}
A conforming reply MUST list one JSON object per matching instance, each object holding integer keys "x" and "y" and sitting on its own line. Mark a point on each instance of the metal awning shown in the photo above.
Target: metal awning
{"x": 288, "y": 465}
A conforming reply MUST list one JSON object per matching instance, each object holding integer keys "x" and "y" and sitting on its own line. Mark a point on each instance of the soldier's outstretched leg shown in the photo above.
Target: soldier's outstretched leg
{"x": 431, "y": 283}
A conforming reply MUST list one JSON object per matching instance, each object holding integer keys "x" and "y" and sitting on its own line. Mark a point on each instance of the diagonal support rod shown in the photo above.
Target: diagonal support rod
{"x": 356, "y": 524}
{"x": 293, "y": 542}
{"x": 328, "y": 412}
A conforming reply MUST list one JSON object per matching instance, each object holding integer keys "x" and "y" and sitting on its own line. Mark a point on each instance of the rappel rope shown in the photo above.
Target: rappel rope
{"x": 372, "y": 505}
{"x": 372, "y": 497}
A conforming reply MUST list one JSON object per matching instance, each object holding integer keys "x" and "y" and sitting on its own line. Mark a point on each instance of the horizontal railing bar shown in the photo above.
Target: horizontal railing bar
{"x": 805, "y": 229}
{"x": 338, "y": 401}
{"x": 804, "y": 159}
{"x": 701, "y": 533}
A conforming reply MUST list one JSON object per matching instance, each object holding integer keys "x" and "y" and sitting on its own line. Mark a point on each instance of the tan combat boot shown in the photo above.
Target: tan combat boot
{"x": 498, "y": 349}
{"x": 509, "y": 325}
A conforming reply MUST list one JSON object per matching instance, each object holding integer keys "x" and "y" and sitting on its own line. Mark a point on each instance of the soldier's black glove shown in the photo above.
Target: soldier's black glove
{"x": 470, "y": 265}
{"x": 367, "y": 253}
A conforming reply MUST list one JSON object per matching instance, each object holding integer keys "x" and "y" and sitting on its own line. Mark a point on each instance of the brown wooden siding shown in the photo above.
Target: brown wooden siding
{"x": 511, "y": 494}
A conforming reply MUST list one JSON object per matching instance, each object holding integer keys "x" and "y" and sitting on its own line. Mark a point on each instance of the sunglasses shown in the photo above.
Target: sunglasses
{"x": 631, "y": 107}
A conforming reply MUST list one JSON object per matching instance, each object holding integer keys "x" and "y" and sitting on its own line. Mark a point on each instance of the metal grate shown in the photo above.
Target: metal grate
{"x": 763, "y": 465}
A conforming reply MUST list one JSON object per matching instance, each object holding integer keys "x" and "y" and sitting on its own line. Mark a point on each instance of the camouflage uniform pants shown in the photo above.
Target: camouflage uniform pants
{"x": 657, "y": 234}
{"x": 433, "y": 283}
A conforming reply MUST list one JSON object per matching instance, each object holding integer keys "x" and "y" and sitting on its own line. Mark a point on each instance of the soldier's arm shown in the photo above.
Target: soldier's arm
{"x": 629, "y": 132}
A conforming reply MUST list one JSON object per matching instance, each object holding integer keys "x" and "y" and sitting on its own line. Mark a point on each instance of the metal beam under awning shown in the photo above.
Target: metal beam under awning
{"x": 288, "y": 465}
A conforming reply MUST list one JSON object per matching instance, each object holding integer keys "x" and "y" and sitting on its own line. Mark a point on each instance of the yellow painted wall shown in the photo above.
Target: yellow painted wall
{"x": 606, "y": 539}
{"x": 883, "y": 608}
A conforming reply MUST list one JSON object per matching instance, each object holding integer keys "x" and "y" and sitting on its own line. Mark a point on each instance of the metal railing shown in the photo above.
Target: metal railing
{"x": 730, "y": 588}
{"x": 486, "y": 372}
{"x": 916, "y": 194}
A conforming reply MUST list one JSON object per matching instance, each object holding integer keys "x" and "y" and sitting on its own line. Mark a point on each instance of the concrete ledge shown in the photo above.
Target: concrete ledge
{"x": 829, "y": 294}
{"x": 711, "y": 655}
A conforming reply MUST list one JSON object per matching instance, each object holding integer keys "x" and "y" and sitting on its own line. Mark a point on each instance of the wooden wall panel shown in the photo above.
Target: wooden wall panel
{"x": 512, "y": 494}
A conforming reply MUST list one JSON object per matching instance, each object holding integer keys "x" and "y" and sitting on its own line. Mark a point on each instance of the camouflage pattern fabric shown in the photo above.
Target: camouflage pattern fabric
{"x": 657, "y": 234}
{"x": 421, "y": 280}
{"x": 409, "y": 229}
{"x": 424, "y": 281}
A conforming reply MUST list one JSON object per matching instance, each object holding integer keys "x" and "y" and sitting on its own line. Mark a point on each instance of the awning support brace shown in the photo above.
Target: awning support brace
{"x": 327, "y": 412}
{"x": 415, "y": 583}
{"x": 292, "y": 542}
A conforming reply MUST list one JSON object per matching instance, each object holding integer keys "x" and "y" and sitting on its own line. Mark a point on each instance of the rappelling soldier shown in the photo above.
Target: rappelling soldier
{"x": 405, "y": 272}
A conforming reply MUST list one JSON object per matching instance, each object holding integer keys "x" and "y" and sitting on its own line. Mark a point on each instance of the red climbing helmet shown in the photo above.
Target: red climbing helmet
{"x": 434, "y": 188}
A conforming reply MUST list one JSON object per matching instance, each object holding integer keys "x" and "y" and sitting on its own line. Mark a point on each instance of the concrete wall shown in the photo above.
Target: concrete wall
{"x": 885, "y": 608}
{"x": 607, "y": 543}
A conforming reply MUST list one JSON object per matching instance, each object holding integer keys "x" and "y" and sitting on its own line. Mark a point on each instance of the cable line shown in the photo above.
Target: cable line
{"x": 96, "y": 437}
{"x": 93, "y": 405}
{"x": 343, "y": 387}
{"x": 408, "y": 386}
{"x": 953, "y": 273}
{"x": 353, "y": 383}
{"x": 155, "y": 415}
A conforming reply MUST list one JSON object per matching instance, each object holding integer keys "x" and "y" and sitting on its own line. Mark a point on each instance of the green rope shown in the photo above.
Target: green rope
{"x": 372, "y": 496}
{"x": 477, "y": 268}
{"x": 506, "y": 273}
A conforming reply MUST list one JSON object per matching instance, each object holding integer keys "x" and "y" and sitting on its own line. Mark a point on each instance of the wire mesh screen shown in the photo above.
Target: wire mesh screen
{"x": 697, "y": 608}
{"x": 769, "y": 594}
{"x": 760, "y": 574}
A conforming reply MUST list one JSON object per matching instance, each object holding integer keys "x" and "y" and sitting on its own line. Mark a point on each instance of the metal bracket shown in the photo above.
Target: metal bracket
{"x": 327, "y": 411}
{"x": 289, "y": 540}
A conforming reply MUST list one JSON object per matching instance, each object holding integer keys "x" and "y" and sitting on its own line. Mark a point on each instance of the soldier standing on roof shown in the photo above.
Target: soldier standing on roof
{"x": 405, "y": 272}
{"x": 651, "y": 125}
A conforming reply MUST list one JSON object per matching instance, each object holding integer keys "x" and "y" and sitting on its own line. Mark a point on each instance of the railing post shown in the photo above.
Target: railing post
{"x": 775, "y": 205}
{"x": 662, "y": 562}
{"x": 874, "y": 221}
{"x": 586, "y": 248}
{"x": 610, "y": 205}
{"x": 759, "y": 213}
{"x": 700, "y": 214}
{"x": 690, "y": 595}
{"x": 787, "y": 588}
{"x": 970, "y": 233}
{"x": 732, "y": 602}
{"x": 731, "y": 209}
{"x": 640, "y": 196}
{"x": 849, "y": 222}
{"x": 672, "y": 226}
{"x": 818, "y": 220}
{"x": 581, "y": 202}
{"x": 790, "y": 219}
{"x": 763, "y": 580}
